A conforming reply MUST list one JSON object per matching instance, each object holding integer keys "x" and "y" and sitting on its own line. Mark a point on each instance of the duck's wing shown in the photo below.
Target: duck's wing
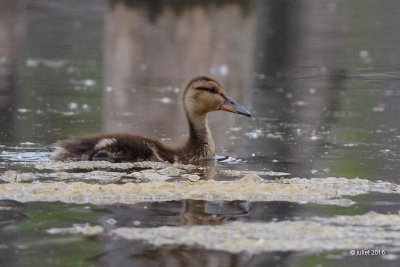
{"x": 75, "y": 149}
{"x": 114, "y": 148}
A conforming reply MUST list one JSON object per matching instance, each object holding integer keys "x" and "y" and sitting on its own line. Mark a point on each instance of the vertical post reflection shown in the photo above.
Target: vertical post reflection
{"x": 298, "y": 47}
{"x": 8, "y": 45}
{"x": 165, "y": 44}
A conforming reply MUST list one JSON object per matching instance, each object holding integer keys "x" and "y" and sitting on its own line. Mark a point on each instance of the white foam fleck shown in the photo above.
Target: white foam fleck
{"x": 111, "y": 221}
{"x": 84, "y": 229}
{"x": 73, "y": 105}
{"x": 88, "y": 82}
{"x": 255, "y": 134}
{"x": 299, "y": 103}
{"x": 27, "y": 144}
{"x": 350, "y": 145}
{"x": 224, "y": 70}
{"x": 235, "y": 129}
{"x": 165, "y": 100}
{"x": 364, "y": 53}
{"x": 23, "y": 110}
{"x": 49, "y": 63}
{"x": 67, "y": 113}
{"x": 30, "y": 62}
{"x": 314, "y": 136}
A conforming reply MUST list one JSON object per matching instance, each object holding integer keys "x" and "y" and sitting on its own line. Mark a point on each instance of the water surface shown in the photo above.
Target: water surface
{"x": 321, "y": 79}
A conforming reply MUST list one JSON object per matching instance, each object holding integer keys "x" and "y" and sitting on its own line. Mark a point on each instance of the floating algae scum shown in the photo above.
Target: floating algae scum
{"x": 129, "y": 183}
{"x": 343, "y": 232}
{"x": 104, "y": 183}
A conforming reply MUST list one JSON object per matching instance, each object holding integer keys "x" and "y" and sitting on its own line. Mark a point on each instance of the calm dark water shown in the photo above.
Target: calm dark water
{"x": 322, "y": 79}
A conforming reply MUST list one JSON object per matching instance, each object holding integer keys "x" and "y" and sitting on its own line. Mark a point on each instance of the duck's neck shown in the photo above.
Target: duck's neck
{"x": 200, "y": 141}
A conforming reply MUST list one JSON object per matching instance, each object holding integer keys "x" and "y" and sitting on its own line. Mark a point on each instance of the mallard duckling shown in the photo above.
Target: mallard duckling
{"x": 202, "y": 95}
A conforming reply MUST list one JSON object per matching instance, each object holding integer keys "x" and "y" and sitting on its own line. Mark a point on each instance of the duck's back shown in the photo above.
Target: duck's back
{"x": 114, "y": 148}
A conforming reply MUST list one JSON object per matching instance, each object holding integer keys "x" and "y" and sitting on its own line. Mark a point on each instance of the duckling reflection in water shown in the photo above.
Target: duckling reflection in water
{"x": 202, "y": 95}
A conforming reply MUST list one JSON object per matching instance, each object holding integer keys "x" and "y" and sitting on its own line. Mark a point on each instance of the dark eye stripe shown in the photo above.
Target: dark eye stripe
{"x": 208, "y": 89}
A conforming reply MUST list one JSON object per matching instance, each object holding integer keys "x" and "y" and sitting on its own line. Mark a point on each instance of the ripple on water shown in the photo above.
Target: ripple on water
{"x": 229, "y": 160}
{"x": 25, "y": 156}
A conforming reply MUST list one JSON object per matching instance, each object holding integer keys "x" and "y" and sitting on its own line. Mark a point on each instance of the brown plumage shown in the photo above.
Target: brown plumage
{"x": 202, "y": 95}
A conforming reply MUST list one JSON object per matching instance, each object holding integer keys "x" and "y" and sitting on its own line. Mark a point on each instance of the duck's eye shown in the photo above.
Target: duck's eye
{"x": 211, "y": 90}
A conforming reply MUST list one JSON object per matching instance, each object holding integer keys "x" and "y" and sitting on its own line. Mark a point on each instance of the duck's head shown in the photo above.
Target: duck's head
{"x": 203, "y": 95}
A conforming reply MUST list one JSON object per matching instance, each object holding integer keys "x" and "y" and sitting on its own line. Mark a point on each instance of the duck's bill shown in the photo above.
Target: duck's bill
{"x": 231, "y": 106}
